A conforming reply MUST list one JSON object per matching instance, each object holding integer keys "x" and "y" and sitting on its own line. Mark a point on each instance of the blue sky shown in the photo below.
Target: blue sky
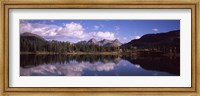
{"x": 79, "y": 30}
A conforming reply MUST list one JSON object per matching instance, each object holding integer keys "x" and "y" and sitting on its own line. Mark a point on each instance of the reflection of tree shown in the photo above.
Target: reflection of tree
{"x": 166, "y": 64}
{"x": 34, "y": 60}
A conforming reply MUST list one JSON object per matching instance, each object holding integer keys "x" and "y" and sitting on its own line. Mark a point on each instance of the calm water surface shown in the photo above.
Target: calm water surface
{"x": 98, "y": 65}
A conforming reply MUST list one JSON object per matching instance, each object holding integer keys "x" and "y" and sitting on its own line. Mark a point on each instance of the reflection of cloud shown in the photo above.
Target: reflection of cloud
{"x": 155, "y": 74}
{"x": 66, "y": 69}
{"x": 104, "y": 67}
{"x": 137, "y": 66}
{"x": 124, "y": 63}
{"x": 40, "y": 70}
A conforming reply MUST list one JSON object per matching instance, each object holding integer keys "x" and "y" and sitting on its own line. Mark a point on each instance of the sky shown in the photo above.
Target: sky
{"x": 80, "y": 30}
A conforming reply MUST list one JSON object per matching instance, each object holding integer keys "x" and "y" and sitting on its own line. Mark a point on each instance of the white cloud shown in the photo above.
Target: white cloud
{"x": 96, "y": 27}
{"x": 39, "y": 29}
{"x": 155, "y": 29}
{"x": 103, "y": 35}
{"x": 70, "y": 30}
{"x": 137, "y": 37}
{"x": 117, "y": 28}
{"x": 101, "y": 25}
{"x": 25, "y": 27}
{"x": 51, "y": 20}
{"x": 124, "y": 38}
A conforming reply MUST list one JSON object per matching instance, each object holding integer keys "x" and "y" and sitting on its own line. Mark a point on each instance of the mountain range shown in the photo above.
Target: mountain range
{"x": 103, "y": 42}
{"x": 32, "y": 37}
{"x": 171, "y": 38}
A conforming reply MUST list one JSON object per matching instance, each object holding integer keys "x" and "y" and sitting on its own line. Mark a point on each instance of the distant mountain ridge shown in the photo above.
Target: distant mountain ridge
{"x": 104, "y": 42}
{"x": 92, "y": 41}
{"x": 31, "y": 36}
{"x": 171, "y": 38}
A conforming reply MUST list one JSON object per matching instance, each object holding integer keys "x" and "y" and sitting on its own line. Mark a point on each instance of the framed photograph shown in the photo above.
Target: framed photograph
{"x": 101, "y": 48}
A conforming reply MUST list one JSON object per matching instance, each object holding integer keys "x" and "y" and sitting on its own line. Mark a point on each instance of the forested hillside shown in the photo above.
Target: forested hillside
{"x": 160, "y": 43}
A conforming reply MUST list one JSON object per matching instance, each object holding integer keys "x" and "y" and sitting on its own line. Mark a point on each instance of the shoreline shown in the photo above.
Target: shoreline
{"x": 73, "y": 53}
{"x": 94, "y": 53}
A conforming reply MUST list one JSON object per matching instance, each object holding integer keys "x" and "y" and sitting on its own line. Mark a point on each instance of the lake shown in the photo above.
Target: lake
{"x": 97, "y": 65}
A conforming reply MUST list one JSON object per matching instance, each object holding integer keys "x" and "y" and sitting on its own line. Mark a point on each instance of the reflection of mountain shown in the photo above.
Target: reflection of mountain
{"x": 63, "y": 63}
{"x": 166, "y": 64}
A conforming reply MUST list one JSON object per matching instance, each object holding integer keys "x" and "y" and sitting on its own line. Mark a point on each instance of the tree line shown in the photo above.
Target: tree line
{"x": 37, "y": 45}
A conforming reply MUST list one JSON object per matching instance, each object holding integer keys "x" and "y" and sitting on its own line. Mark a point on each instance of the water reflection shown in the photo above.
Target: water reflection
{"x": 97, "y": 65}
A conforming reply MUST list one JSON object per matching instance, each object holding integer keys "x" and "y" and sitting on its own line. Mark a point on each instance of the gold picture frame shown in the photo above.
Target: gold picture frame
{"x": 37, "y": 4}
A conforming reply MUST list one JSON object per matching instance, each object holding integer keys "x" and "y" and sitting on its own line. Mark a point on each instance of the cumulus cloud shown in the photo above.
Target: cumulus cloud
{"x": 124, "y": 38}
{"x": 117, "y": 28}
{"x": 96, "y": 27}
{"x": 39, "y": 29}
{"x": 25, "y": 27}
{"x": 101, "y": 25}
{"x": 51, "y": 20}
{"x": 103, "y": 35}
{"x": 155, "y": 29}
{"x": 70, "y": 30}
